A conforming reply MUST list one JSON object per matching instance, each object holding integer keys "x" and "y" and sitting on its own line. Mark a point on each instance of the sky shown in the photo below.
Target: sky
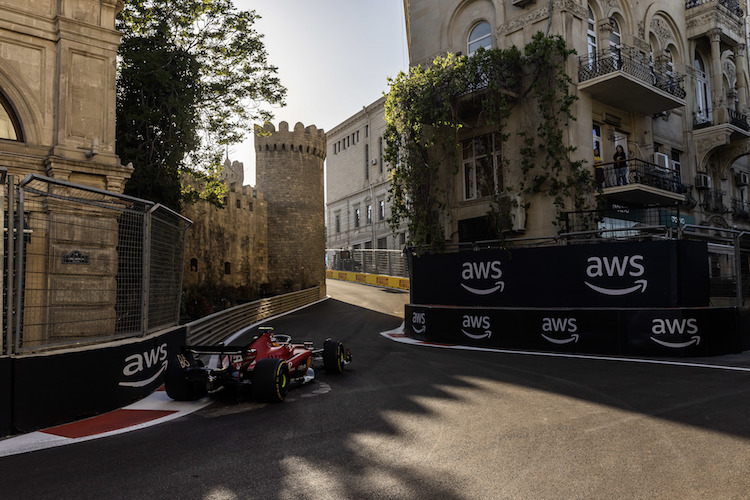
{"x": 333, "y": 56}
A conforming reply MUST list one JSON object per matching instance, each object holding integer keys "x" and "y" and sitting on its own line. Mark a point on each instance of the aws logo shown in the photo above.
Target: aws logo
{"x": 682, "y": 327}
{"x": 488, "y": 275}
{"x": 629, "y": 266}
{"x": 560, "y": 326}
{"x": 418, "y": 322}
{"x": 137, "y": 363}
{"x": 478, "y": 326}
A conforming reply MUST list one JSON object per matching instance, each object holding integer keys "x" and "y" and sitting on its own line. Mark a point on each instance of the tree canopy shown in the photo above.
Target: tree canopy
{"x": 193, "y": 76}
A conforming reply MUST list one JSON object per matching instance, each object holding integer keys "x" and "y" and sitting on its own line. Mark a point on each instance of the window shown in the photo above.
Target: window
{"x": 381, "y": 209}
{"x": 227, "y": 268}
{"x": 367, "y": 131}
{"x": 380, "y": 153}
{"x": 702, "y": 112}
{"x": 480, "y": 37}
{"x": 357, "y": 217}
{"x": 615, "y": 44}
{"x": 367, "y": 161}
{"x": 239, "y": 204}
{"x": 481, "y": 166}
{"x": 369, "y": 214}
{"x": 194, "y": 265}
{"x": 598, "y": 137}
{"x": 9, "y": 126}
{"x": 676, "y": 164}
{"x": 338, "y": 223}
{"x": 591, "y": 37}
{"x": 382, "y": 243}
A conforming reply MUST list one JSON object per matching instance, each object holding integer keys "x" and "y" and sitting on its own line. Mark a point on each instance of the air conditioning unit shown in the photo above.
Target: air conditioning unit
{"x": 742, "y": 179}
{"x": 702, "y": 181}
{"x": 661, "y": 160}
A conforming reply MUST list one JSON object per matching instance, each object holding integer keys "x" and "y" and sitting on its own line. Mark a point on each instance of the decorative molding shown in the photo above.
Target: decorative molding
{"x": 535, "y": 15}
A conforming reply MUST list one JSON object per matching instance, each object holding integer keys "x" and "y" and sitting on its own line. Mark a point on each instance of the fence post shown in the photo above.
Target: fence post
{"x": 9, "y": 268}
{"x": 18, "y": 248}
{"x": 146, "y": 270}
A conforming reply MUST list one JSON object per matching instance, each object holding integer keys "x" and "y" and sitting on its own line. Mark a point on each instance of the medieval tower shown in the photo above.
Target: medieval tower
{"x": 289, "y": 172}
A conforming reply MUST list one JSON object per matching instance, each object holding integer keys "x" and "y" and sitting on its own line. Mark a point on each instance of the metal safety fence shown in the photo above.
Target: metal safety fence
{"x": 370, "y": 261}
{"x": 84, "y": 266}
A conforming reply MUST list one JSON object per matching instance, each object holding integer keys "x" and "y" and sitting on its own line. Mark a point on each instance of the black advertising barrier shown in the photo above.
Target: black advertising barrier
{"x": 653, "y": 332}
{"x": 636, "y": 274}
{"x": 55, "y": 388}
{"x": 6, "y": 395}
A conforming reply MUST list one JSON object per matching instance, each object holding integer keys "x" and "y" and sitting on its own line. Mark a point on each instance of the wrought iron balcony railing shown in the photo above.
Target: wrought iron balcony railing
{"x": 732, "y": 6}
{"x": 738, "y": 119}
{"x": 740, "y": 209}
{"x": 713, "y": 201}
{"x": 635, "y": 171}
{"x": 633, "y": 62}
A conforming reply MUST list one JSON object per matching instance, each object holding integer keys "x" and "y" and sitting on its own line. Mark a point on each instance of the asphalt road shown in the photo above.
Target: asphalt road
{"x": 413, "y": 422}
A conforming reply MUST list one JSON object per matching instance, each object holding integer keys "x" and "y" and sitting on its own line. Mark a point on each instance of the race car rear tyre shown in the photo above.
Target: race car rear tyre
{"x": 333, "y": 356}
{"x": 270, "y": 380}
{"x": 185, "y": 380}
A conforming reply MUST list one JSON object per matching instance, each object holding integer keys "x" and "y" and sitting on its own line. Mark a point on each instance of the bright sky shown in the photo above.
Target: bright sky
{"x": 334, "y": 57}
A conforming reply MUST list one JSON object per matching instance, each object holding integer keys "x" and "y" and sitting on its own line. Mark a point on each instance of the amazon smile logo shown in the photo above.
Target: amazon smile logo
{"x": 484, "y": 277}
{"x": 628, "y": 266}
{"x": 686, "y": 330}
{"x": 141, "y": 369}
{"x": 478, "y": 327}
{"x": 558, "y": 327}
{"x": 418, "y": 322}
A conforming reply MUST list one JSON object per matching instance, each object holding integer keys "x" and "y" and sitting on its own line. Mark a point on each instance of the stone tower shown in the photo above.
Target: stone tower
{"x": 289, "y": 172}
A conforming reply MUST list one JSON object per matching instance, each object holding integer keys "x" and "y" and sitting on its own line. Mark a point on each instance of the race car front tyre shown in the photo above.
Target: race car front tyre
{"x": 185, "y": 379}
{"x": 270, "y": 380}
{"x": 333, "y": 356}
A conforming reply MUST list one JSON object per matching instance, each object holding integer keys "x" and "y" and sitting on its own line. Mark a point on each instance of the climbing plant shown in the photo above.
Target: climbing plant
{"x": 424, "y": 116}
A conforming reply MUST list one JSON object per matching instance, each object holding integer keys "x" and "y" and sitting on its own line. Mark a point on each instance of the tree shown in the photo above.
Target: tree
{"x": 192, "y": 78}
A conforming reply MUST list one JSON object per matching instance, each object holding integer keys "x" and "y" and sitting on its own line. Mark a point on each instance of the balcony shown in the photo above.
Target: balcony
{"x": 740, "y": 209}
{"x": 625, "y": 80}
{"x": 704, "y": 16}
{"x": 642, "y": 183}
{"x": 712, "y": 200}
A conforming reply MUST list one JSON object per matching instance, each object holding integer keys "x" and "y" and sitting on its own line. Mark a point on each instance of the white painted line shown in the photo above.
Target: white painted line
{"x": 398, "y": 335}
{"x": 158, "y": 400}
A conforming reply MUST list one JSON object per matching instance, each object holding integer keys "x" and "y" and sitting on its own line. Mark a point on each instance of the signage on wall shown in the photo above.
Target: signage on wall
{"x": 643, "y": 274}
{"x": 75, "y": 257}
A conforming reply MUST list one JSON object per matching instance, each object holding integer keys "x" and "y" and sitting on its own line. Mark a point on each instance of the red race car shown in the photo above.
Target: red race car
{"x": 269, "y": 366}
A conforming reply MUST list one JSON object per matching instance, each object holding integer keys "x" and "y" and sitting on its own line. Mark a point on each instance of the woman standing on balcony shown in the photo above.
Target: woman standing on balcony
{"x": 621, "y": 167}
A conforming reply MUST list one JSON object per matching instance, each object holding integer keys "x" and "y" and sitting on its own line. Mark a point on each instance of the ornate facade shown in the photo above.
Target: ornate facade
{"x": 667, "y": 81}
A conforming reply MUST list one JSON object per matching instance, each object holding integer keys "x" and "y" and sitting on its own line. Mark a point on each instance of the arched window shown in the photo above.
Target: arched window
{"x": 10, "y": 127}
{"x": 480, "y": 37}
{"x": 615, "y": 43}
{"x": 591, "y": 36}
{"x": 702, "y": 111}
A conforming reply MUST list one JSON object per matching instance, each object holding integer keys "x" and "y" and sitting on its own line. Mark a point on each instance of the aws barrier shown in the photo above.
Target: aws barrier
{"x": 678, "y": 332}
{"x": 633, "y": 298}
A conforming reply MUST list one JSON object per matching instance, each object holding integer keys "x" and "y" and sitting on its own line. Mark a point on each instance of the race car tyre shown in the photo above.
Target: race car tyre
{"x": 185, "y": 380}
{"x": 270, "y": 380}
{"x": 333, "y": 356}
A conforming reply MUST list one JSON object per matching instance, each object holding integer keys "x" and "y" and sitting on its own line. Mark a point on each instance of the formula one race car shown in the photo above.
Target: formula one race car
{"x": 269, "y": 366}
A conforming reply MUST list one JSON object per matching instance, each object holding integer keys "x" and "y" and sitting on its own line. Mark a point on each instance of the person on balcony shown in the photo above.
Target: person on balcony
{"x": 598, "y": 170}
{"x": 621, "y": 166}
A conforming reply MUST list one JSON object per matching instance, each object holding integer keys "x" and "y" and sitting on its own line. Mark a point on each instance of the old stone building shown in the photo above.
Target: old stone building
{"x": 57, "y": 119}
{"x": 268, "y": 239}
{"x": 667, "y": 81}
{"x": 358, "y": 182}
{"x": 228, "y": 246}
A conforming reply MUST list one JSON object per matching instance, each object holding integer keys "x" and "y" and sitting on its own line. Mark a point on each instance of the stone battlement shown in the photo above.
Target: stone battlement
{"x": 308, "y": 140}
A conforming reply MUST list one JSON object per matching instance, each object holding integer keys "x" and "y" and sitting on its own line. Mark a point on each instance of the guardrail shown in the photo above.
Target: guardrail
{"x": 216, "y": 327}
